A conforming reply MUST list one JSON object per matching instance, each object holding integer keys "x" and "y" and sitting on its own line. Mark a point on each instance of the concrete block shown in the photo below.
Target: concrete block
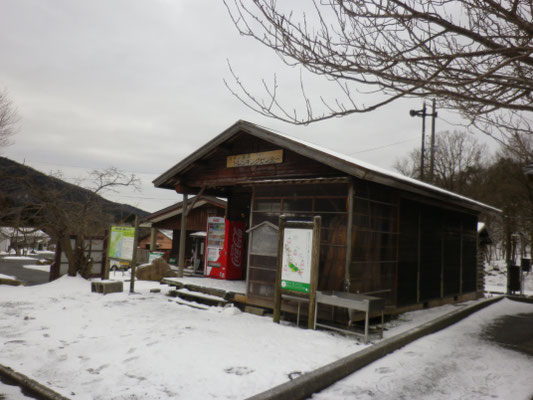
{"x": 105, "y": 287}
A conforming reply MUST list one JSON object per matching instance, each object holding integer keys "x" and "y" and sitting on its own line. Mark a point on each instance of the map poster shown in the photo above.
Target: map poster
{"x": 296, "y": 259}
{"x": 121, "y": 242}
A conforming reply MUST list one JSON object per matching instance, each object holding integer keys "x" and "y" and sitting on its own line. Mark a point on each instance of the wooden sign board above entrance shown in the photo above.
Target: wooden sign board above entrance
{"x": 248, "y": 160}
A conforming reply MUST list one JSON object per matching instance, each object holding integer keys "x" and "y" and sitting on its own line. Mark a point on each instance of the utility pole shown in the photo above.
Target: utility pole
{"x": 432, "y": 159}
{"x": 423, "y": 114}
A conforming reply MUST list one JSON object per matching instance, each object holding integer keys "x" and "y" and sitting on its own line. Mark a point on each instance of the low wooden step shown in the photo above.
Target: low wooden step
{"x": 199, "y": 297}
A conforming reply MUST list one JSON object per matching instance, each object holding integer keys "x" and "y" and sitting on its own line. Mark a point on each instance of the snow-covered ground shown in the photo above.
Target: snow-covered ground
{"x": 145, "y": 345}
{"x": 456, "y": 363}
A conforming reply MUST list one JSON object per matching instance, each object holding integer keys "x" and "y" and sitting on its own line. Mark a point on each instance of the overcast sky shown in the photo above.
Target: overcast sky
{"x": 138, "y": 85}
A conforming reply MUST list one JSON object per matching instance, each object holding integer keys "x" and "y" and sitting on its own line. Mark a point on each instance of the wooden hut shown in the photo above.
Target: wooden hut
{"x": 382, "y": 233}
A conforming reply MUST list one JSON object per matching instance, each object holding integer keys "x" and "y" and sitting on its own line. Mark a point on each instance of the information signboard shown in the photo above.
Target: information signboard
{"x": 296, "y": 260}
{"x": 298, "y": 255}
{"x": 121, "y": 242}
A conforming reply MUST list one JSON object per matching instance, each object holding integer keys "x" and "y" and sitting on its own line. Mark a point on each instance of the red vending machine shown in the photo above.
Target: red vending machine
{"x": 224, "y": 258}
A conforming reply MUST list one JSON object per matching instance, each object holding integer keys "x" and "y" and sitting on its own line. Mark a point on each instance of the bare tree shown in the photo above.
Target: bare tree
{"x": 8, "y": 119}
{"x": 69, "y": 214}
{"x": 65, "y": 215}
{"x": 459, "y": 161}
{"x": 474, "y": 56}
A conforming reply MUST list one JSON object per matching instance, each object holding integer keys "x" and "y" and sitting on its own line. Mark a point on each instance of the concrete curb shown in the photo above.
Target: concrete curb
{"x": 319, "y": 379}
{"x": 520, "y": 299}
{"x": 29, "y": 385}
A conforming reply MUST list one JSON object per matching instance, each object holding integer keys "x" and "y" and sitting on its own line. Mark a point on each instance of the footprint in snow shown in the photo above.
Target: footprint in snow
{"x": 240, "y": 371}
{"x": 383, "y": 370}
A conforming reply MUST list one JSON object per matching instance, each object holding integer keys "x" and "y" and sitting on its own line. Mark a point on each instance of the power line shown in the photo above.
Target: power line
{"x": 384, "y": 146}
{"x": 54, "y": 164}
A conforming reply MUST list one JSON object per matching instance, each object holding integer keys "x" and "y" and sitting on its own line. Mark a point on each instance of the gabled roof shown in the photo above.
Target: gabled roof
{"x": 176, "y": 209}
{"x": 8, "y": 232}
{"x": 341, "y": 162}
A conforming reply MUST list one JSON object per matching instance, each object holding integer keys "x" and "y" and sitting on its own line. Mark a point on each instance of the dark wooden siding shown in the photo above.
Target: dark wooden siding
{"x": 374, "y": 240}
{"x": 437, "y": 253}
{"x": 408, "y": 255}
{"x": 302, "y": 202}
{"x": 213, "y": 170}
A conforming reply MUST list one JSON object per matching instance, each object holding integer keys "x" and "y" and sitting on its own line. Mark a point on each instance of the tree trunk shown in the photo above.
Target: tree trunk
{"x": 66, "y": 247}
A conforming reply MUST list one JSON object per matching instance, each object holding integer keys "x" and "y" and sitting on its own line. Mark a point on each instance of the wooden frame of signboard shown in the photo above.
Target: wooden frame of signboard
{"x": 301, "y": 241}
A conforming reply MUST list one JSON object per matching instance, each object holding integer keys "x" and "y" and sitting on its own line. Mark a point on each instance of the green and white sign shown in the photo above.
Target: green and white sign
{"x": 121, "y": 242}
{"x": 296, "y": 261}
{"x": 154, "y": 255}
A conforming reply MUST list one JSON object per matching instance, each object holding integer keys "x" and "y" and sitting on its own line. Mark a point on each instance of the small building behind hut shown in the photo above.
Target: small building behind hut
{"x": 383, "y": 234}
{"x": 163, "y": 240}
{"x": 168, "y": 220}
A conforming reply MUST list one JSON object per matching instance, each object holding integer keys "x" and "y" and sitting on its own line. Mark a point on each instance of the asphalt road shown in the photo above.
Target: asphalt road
{"x": 514, "y": 332}
{"x": 29, "y": 277}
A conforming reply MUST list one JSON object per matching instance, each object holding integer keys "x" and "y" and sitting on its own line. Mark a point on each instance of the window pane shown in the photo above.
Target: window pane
{"x": 267, "y": 205}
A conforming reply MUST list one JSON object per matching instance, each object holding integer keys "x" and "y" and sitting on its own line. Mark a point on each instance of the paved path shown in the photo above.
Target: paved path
{"x": 28, "y": 276}
{"x": 475, "y": 359}
{"x": 514, "y": 332}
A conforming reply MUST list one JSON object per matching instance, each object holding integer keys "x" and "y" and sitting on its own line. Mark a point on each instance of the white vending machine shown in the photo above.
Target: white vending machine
{"x": 214, "y": 244}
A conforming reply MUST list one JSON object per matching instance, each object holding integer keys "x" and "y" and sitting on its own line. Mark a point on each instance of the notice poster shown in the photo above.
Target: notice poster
{"x": 121, "y": 242}
{"x": 296, "y": 260}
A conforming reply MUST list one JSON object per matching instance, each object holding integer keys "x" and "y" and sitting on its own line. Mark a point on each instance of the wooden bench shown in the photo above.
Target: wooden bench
{"x": 351, "y": 301}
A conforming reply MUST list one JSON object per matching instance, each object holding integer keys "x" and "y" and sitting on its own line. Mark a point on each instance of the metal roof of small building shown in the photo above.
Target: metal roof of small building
{"x": 176, "y": 209}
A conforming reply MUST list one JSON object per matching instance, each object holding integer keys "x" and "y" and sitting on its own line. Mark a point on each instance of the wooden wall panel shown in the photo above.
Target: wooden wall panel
{"x": 213, "y": 171}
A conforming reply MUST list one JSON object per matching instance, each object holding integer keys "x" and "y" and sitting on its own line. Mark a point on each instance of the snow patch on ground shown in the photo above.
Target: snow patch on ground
{"x": 2, "y": 276}
{"x": 44, "y": 268}
{"x": 228, "y": 286}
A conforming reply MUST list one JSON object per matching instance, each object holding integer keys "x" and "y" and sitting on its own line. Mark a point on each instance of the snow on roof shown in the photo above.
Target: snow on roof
{"x": 166, "y": 232}
{"x": 8, "y": 231}
{"x": 177, "y": 208}
{"x": 339, "y": 161}
{"x": 379, "y": 170}
{"x": 198, "y": 234}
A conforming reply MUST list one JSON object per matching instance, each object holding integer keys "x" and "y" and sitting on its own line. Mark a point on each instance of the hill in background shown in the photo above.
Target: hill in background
{"x": 21, "y": 184}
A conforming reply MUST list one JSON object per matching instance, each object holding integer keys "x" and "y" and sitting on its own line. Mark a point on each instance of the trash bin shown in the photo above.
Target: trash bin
{"x": 526, "y": 264}
{"x": 514, "y": 278}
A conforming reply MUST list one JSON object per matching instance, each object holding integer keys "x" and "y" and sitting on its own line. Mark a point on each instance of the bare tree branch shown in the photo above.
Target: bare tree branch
{"x": 474, "y": 56}
{"x": 8, "y": 119}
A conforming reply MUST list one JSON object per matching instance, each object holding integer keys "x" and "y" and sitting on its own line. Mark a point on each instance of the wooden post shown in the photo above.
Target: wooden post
{"x": 105, "y": 256}
{"x": 508, "y": 249}
{"x": 461, "y": 266}
{"x": 134, "y": 255}
{"x": 314, "y": 272}
{"x": 418, "y": 257}
{"x": 153, "y": 237}
{"x": 277, "y": 287}
{"x": 181, "y": 256}
{"x": 349, "y": 225}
